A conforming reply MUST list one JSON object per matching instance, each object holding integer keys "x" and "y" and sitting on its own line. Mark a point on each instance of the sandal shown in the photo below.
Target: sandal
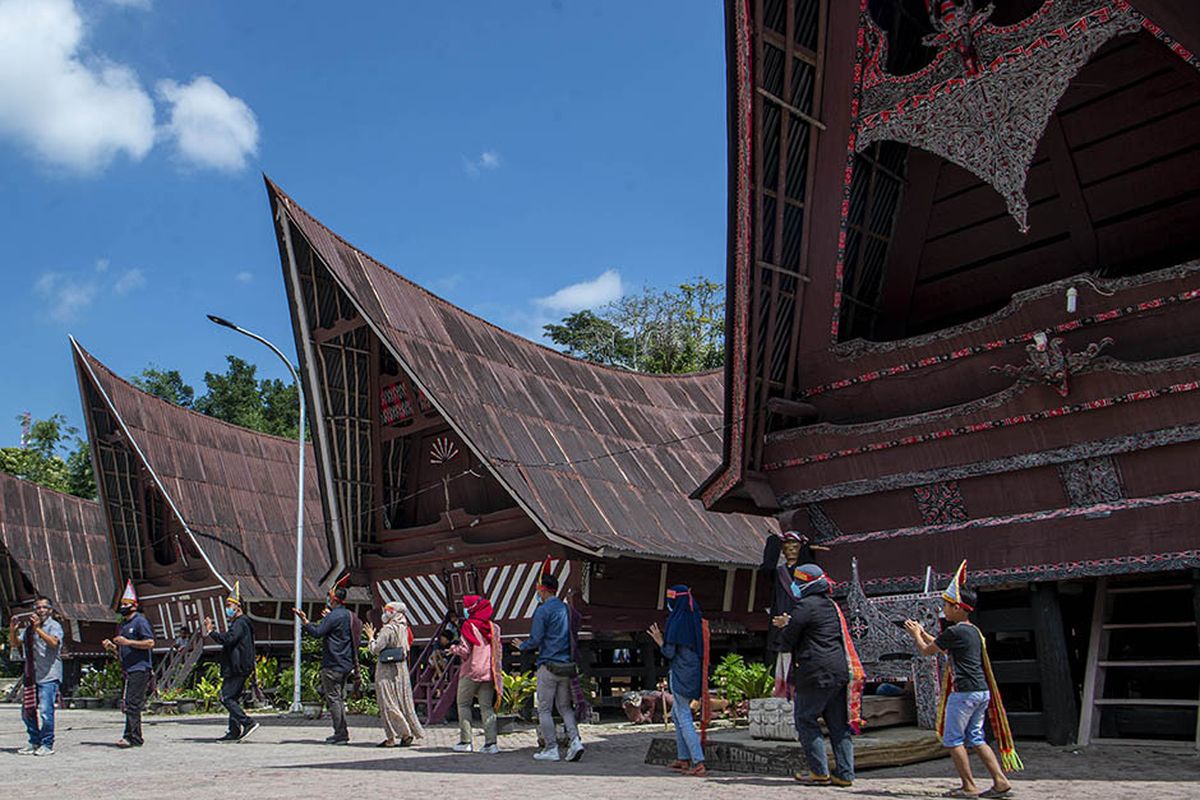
{"x": 679, "y": 764}
{"x": 996, "y": 793}
{"x": 406, "y": 741}
{"x": 698, "y": 771}
{"x": 959, "y": 792}
{"x": 386, "y": 743}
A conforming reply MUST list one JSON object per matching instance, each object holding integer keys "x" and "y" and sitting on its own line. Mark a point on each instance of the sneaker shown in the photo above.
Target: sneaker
{"x": 464, "y": 747}
{"x": 247, "y": 731}
{"x": 44, "y": 750}
{"x": 490, "y": 749}
{"x": 27, "y": 750}
{"x": 229, "y": 736}
{"x": 335, "y": 739}
{"x": 834, "y": 780}
{"x": 549, "y": 754}
{"x": 575, "y": 750}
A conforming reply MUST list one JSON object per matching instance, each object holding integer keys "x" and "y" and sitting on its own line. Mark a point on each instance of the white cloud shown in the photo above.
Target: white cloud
{"x": 65, "y": 295}
{"x": 244, "y": 276}
{"x": 605, "y": 288}
{"x": 488, "y": 160}
{"x": 73, "y": 108}
{"x": 130, "y": 279}
{"x": 210, "y": 127}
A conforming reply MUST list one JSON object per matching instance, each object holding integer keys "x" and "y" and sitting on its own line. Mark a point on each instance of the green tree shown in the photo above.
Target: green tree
{"x": 280, "y": 407}
{"x": 40, "y": 458}
{"x": 166, "y": 384}
{"x": 233, "y": 396}
{"x": 672, "y": 331}
{"x": 588, "y": 336}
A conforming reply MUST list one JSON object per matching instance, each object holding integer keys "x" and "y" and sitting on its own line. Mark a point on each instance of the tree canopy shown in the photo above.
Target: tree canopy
{"x": 671, "y": 331}
{"x": 51, "y": 454}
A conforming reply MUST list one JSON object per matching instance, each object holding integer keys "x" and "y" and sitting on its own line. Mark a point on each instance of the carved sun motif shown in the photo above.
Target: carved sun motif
{"x": 442, "y": 450}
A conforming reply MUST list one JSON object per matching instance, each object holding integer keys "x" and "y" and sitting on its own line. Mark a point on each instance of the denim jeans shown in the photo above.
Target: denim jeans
{"x": 965, "y": 713}
{"x": 687, "y": 740}
{"x": 829, "y": 702}
{"x": 41, "y": 730}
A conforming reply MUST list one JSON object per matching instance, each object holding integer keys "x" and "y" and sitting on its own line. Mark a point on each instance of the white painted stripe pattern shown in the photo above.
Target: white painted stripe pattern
{"x": 425, "y": 596}
{"x": 510, "y": 587}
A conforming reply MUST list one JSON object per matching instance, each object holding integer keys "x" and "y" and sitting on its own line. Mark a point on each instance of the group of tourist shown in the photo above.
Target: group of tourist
{"x": 815, "y": 661}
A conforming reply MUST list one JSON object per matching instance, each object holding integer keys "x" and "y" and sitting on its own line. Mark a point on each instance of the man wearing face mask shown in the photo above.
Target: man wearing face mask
{"x": 132, "y": 646}
{"x": 237, "y": 664}
{"x": 39, "y": 645}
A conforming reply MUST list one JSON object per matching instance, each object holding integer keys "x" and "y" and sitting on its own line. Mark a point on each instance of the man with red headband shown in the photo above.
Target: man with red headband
{"x": 550, "y": 636}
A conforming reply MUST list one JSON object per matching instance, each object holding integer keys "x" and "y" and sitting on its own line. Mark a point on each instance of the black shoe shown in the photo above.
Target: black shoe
{"x": 335, "y": 739}
{"x": 247, "y": 731}
{"x": 229, "y": 736}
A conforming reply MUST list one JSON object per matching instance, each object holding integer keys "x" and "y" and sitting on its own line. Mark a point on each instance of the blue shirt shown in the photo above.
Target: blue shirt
{"x": 339, "y": 651}
{"x": 551, "y": 633}
{"x": 685, "y": 670}
{"x": 137, "y": 629}
{"x": 47, "y": 663}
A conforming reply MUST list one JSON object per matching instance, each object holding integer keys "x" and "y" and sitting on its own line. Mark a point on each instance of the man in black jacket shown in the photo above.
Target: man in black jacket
{"x": 821, "y": 672}
{"x": 237, "y": 664}
{"x": 339, "y": 632}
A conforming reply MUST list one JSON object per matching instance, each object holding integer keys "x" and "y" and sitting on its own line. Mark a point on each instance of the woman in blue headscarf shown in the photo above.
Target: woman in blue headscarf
{"x": 685, "y": 646}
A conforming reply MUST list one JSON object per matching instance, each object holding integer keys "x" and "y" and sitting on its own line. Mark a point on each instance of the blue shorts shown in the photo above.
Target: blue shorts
{"x": 965, "y": 713}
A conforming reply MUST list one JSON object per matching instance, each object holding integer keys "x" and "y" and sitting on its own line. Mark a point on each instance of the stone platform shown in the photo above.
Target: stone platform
{"x": 735, "y": 751}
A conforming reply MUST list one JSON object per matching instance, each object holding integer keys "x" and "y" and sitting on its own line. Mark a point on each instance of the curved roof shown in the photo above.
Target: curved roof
{"x": 233, "y": 489}
{"x": 602, "y": 458}
{"x": 60, "y": 543}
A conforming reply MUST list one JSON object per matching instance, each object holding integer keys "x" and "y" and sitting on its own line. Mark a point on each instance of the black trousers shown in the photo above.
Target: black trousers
{"x": 134, "y": 701}
{"x": 232, "y": 687}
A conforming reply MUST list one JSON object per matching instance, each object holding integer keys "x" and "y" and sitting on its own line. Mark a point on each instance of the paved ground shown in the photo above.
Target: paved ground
{"x": 287, "y": 759}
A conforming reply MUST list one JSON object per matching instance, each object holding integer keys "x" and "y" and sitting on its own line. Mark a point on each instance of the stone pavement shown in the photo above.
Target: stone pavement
{"x": 286, "y": 758}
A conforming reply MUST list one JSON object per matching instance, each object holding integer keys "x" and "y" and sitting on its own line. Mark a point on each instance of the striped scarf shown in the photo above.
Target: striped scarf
{"x": 858, "y": 676}
{"x": 29, "y": 699}
{"x": 997, "y": 716}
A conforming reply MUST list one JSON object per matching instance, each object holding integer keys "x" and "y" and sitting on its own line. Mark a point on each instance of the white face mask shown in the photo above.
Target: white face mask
{"x": 388, "y": 618}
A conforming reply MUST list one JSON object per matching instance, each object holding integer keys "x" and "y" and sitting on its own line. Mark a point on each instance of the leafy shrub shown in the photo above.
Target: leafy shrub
{"x": 519, "y": 688}
{"x": 739, "y": 681}
{"x": 106, "y": 681}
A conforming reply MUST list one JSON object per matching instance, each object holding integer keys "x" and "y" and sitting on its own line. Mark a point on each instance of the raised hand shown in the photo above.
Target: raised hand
{"x": 209, "y": 627}
{"x": 655, "y": 633}
{"x": 369, "y": 630}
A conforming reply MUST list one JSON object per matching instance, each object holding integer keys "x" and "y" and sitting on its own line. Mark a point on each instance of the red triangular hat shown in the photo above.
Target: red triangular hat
{"x": 130, "y": 595}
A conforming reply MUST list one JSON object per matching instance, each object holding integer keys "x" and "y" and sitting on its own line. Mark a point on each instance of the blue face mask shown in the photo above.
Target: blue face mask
{"x": 230, "y": 612}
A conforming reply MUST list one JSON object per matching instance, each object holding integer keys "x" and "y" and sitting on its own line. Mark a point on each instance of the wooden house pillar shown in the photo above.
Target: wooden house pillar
{"x": 1060, "y": 708}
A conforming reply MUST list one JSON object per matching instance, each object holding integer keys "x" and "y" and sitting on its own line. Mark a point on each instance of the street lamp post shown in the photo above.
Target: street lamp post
{"x": 296, "y": 707}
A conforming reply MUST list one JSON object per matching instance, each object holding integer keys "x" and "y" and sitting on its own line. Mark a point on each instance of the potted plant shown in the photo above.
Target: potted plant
{"x": 739, "y": 683}
{"x": 516, "y": 701}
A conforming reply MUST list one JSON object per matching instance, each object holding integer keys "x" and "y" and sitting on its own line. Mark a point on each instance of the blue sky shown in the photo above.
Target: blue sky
{"x": 522, "y": 159}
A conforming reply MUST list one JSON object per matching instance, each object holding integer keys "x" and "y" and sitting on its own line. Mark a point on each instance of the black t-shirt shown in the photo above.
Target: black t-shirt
{"x": 964, "y": 643}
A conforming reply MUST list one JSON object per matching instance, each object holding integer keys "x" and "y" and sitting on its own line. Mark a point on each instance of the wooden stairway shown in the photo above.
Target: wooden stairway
{"x": 1143, "y": 666}
{"x": 174, "y": 669}
{"x": 433, "y": 695}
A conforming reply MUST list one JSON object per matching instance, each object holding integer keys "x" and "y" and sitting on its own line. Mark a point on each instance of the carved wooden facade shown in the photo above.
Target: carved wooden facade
{"x": 962, "y": 284}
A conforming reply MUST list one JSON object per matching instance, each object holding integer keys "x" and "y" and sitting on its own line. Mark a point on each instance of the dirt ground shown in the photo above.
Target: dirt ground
{"x": 287, "y": 758}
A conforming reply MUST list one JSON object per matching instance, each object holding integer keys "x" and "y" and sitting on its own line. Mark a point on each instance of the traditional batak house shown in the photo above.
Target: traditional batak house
{"x": 56, "y": 545}
{"x": 964, "y": 321}
{"x": 455, "y": 456}
{"x": 194, "y": 505}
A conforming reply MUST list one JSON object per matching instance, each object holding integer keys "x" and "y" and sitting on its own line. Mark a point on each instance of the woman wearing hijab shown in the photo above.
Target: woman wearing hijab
{"x": 479, "y": 676}
{"x": 393, "y": 691}
{"x": 685, "y": 646}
